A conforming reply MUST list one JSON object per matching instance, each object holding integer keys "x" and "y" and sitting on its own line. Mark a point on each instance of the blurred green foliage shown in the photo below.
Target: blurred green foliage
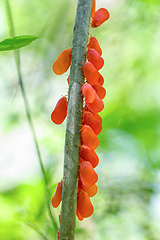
{"x": 127, "y": 205}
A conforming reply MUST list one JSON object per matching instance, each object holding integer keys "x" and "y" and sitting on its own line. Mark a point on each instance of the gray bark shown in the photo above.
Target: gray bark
{"x": 74, "y": 119}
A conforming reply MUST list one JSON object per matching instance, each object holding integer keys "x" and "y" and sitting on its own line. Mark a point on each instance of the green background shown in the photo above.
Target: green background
{"x": 127, "y": 205}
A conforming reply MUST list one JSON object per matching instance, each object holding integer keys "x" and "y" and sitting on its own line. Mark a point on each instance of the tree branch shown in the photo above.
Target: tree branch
{"x": 74, "y": 121}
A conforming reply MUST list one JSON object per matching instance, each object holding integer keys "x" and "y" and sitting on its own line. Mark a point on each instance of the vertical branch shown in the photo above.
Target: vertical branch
{"x": 74, "y": 120}
{"x": 28, "y": 113}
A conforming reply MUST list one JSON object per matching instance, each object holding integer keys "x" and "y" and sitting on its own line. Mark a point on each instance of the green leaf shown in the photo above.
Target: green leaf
{"x": 16, "y": 42}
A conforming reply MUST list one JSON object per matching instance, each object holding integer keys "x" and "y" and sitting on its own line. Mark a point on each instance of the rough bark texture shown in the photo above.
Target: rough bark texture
{"x": 74, "y": 119}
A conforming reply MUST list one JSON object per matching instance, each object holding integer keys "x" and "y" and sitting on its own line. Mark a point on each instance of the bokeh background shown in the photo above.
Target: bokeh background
{"x": 127, "y": 205}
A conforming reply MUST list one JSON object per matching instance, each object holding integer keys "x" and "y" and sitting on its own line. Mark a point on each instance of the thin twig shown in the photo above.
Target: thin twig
{"x": 33, "y": 226}
{"x": 17, "y": 58}
{"x": 74, "y": 121}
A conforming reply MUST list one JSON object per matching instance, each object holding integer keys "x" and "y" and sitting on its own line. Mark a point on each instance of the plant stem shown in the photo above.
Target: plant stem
{"x": 74, "y": 121}
{"x": 17, "y": 58}
{"x": 33, "y": 226}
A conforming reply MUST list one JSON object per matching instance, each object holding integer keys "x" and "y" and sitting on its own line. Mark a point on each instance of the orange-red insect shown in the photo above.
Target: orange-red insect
{"x": 96, "y": 106}
{"x": 88, "y": 92}
{"x": 63, "y": 62}
{"x": 93, "y": 43}
{"x": 79, "y": 185}
{"x": 68, "y": 78}
{"x": 100, "y": 80}
{"x": 93, "y": 8}
{"x": 87, "y": 174}
{"x": 57, "y": 197}
{"x": 91, "y": 120}
{"x": 94, "y": 57}
{"x": 101, "y": 91}
{"x": 58, "y": 235}
{"x": 92, "y": 190}
{"x": 60, "y": 112}
{"x": 100, "y": 16}
{"x": 60, "y": 218}
{"x": 89, "y": 138}
{"x": 89, "y": 155}
{"x": 90, "y": 73}
{"x": 80, "y": 218}
{"x": 98, "y": 117}
{"x": 84, "y": 205}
